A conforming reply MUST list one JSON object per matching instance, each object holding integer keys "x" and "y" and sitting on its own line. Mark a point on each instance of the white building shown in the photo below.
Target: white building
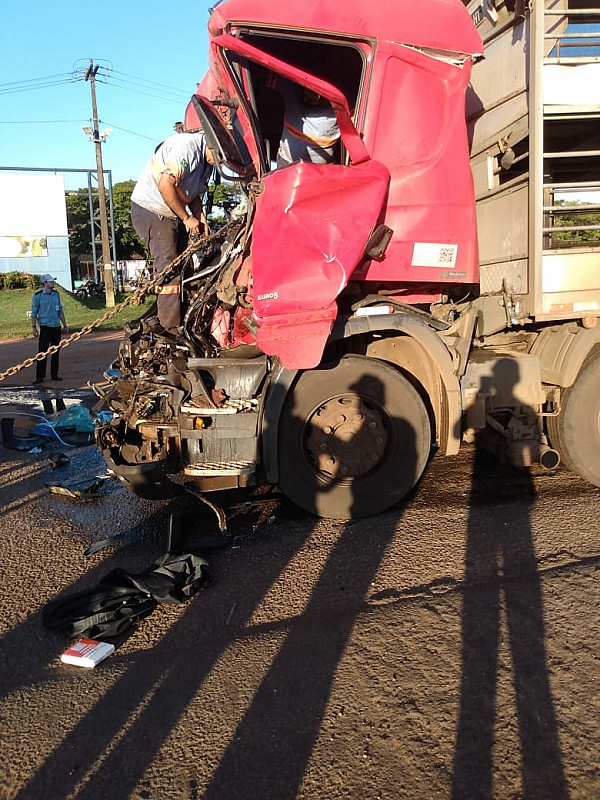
{"x": 33, "y": 226}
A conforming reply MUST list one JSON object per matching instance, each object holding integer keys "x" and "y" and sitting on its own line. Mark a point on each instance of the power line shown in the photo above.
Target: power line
{"x": 111, "y": 80}
{"x": 133, "y": 133}
{"x": 138, "y": 92}
{"x": 42, "y": 83}
{"x": 39, "y": 121}
{"x": 37, "y": 80}
{"x": 146, "y": 82}
{"x": 73, "y": 121}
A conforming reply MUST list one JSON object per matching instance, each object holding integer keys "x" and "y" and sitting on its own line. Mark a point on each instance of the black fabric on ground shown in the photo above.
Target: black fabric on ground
{"x": 121, "y": 599}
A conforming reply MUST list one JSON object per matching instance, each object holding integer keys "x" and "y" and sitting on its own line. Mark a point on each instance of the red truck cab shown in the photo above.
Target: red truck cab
{"x": 397, "y": 210}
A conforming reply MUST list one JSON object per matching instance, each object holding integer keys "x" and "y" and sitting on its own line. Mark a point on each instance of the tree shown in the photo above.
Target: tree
{"x": 78, "y": 222}
{"x": 225, "y": 196}
{"x": 127, "y": 242}
{"x": 573, "y": 213}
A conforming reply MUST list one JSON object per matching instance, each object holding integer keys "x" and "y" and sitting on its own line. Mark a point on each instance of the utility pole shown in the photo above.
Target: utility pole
{"x": 90, "y": 75}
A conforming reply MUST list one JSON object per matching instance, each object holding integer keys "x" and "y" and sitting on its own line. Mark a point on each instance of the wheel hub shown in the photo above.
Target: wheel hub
{"x": 345, "y": 437}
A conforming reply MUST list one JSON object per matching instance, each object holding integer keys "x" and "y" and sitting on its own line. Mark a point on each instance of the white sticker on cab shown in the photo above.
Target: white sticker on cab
{"x": 428, "y": 254}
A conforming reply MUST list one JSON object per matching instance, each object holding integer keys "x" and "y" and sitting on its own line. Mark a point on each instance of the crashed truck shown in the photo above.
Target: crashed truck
{"x": 440, "y": 282}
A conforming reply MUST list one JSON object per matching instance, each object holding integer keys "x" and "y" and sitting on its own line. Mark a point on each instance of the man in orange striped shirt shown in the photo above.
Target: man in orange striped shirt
{"x": 310, "y": 129}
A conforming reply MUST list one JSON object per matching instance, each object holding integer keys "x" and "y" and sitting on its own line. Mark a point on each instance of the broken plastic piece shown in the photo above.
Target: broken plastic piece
{"x": 59, "y": 459}
{"x": 46, "y": 429}
{"x": 77, "y": 417}
{"x": 13, "y": 442}
{"x": 117, "y": 538}
{"x": 82, "y": 495}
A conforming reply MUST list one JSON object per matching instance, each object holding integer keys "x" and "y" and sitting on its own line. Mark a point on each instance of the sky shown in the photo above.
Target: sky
{"x": 151, "y": 56}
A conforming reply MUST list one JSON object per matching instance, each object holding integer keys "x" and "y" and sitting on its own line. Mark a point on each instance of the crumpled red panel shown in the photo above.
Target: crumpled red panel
{"x": 311, "y": 225}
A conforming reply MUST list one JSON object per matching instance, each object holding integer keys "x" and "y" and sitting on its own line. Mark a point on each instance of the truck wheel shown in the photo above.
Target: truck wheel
{"x": 354, "y": 439}
{"x": 81, "y": 294}
{"x": 575, "y": 432}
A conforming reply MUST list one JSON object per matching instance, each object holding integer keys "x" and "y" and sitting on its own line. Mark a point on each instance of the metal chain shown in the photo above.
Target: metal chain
{"x": 139, "y": 293}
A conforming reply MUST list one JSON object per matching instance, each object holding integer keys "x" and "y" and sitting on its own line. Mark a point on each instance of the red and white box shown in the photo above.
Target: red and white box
{"x": 87, "y": 653}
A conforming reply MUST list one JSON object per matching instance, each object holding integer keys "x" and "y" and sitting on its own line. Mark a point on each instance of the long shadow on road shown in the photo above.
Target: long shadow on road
{"x": 269, "y": 753}
{"x": 501, "y": 573}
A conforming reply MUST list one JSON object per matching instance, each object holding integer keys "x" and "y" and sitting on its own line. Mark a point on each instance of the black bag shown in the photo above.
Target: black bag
{"x": 121, "y": 599}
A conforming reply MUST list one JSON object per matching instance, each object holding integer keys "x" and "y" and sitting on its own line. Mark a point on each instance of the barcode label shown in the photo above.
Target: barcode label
{"x": 427, "y": 254}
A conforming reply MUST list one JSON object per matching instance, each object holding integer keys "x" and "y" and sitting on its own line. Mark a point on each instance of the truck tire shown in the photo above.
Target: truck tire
{"x": 354, "y": 439}
{"x": 81, "y": 294}
{"x": 575, "y": 432}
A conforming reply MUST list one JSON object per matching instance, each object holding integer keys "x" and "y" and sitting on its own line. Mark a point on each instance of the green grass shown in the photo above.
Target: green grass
{"x": 15, "y": 303}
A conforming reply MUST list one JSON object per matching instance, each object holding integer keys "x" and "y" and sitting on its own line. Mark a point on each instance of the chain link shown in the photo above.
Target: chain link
{"x": 139, "y": 293}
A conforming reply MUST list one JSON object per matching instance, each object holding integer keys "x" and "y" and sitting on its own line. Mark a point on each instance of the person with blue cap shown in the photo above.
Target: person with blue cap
{"x": 47, "y": 312}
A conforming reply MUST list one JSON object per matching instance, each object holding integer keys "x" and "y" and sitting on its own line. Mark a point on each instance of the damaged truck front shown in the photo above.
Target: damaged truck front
{"x": 334, "y": 328}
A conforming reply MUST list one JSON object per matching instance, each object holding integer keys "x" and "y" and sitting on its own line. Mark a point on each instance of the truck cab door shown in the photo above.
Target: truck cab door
{"x": 311, "y": 225}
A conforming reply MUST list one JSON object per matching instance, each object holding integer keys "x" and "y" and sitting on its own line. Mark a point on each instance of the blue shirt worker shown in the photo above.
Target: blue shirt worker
{"x": 47, "y": 312}
{"x": 168, "y": 196}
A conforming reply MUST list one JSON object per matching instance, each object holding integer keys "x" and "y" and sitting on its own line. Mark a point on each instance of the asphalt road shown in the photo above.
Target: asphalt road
{"x": 448, "y": 648}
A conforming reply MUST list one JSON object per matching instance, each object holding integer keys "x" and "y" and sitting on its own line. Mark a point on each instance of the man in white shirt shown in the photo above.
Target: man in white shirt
{"x": 167, "y": 196}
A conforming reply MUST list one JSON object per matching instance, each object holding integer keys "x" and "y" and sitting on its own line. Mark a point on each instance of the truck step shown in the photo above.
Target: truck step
{"x": 213, "y": 469}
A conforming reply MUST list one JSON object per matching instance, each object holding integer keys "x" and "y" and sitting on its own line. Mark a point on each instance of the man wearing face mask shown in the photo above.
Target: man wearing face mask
{"x": 47, "y": 312}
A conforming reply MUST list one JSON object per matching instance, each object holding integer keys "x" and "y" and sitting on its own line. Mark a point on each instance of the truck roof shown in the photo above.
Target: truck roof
{"x": 437, "y": 24}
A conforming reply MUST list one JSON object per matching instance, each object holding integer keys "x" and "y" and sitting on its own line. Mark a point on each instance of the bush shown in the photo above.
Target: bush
{"x": 19, "y": 280}
{"x": 32, "y": 281}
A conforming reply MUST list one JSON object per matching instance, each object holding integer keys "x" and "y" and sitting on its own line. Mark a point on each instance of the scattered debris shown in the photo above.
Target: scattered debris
{"x": 76, "y": 418}
{"x": 75, "y": 421}
{"x": 48, "y": 430}
{"x": 13, "y": 442}
{"x": 86, "y": 494}
{"x": 87, "y": 653}
{"x": 121, "y": 599}
{"x": 116, "y": 538}
{"x": 59, "y": 459}
{"x": 230, "y": 615}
